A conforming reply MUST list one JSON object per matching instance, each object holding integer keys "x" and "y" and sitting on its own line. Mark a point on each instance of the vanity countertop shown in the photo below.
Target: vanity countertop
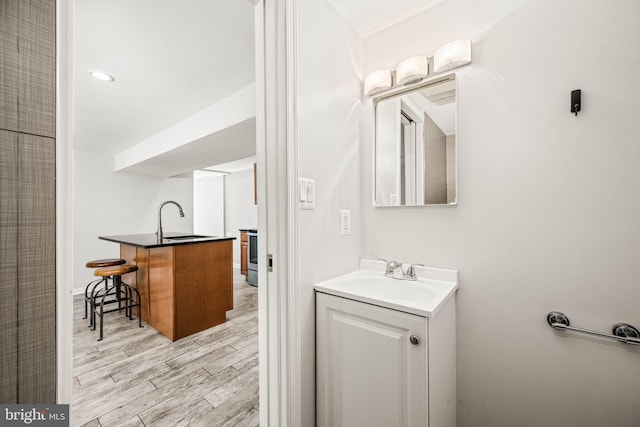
{"x": 150, "y": 240}
{"x": 423, "y": 297}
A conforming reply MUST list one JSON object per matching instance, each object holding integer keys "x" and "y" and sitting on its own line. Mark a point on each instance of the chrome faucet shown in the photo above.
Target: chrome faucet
{"x": 411, "y": 272}
{"x": 395, "y": 271}
{"x": 392, "y": 267}
{"x": 159, "y": 232}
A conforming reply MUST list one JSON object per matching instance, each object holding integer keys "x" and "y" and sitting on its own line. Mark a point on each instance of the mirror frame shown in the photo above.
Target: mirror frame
{"x": 394, "y": 93}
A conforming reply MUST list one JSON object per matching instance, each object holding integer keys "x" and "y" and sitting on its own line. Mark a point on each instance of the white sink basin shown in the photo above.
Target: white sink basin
{"x": 384, "y": 287}
{"x": 422, "y": 297}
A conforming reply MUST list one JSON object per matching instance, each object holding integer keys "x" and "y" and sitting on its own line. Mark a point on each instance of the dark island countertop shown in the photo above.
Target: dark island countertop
{"x": 150, "y": 240}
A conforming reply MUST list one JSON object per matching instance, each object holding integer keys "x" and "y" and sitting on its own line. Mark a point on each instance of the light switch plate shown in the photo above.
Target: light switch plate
{"x": 306, "y": 193}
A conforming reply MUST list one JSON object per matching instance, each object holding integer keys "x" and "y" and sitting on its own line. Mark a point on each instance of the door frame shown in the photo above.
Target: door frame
{"x": 276, "y": 131}
{"x": 276, "y": 121}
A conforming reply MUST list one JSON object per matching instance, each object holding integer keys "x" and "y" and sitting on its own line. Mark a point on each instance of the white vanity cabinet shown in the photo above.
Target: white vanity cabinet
{"x": 377, "y": 366}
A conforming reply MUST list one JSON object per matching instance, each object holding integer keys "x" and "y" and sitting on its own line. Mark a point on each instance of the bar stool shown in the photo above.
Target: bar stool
{"x": 127, "y": 297}
{"x": 88, "y": 290}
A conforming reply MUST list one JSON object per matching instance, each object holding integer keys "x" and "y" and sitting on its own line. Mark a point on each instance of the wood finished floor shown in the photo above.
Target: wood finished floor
{"x": 137, "y": 377}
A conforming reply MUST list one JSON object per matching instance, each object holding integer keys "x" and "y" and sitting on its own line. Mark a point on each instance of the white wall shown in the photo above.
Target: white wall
{"x": 330, "y": 61}
{"x": 109, "y": 203}
{"x": 240, "y": 211}
{"x": 549, "y": 209}
{"x": 208, "y": 204}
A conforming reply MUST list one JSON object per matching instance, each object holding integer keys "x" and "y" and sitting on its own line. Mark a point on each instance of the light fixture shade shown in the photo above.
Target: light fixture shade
{"x": 452, "y": 55}
{"x": 377, "y": 81}
{"x": 411, "y": 70}
{"x": 102, "y": 76}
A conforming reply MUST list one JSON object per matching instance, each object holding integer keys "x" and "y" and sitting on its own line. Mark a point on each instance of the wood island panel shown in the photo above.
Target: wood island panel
{"x": 183, "y": 289}
{"x": 201, "y": 301}
{"x": 142, "y": 281}
{"x": 162, "y": 291}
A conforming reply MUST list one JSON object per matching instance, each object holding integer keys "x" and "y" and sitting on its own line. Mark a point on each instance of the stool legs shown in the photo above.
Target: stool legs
{"x": 88, "y": 296}
{"x": 91, "y": 287}
{"x": 99, "y": 299}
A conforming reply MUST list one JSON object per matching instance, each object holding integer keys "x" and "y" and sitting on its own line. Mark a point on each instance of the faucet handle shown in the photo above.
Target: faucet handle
{"x": 392, "y": 266}
{"x": 411, "y": 272}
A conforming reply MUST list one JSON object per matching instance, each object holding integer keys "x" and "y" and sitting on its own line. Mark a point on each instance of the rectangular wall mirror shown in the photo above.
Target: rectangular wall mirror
{"x": 415, "y": 145}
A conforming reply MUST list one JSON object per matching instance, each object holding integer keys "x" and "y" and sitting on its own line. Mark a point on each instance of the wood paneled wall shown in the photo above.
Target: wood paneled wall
{"x": 27, "y": 202}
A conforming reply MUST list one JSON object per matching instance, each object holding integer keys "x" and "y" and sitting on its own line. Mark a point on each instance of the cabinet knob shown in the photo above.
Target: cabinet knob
{"x": 414, "y": 340}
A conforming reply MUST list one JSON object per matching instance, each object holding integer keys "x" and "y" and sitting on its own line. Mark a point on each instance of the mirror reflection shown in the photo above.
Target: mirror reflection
{"x": 415, "y": 146}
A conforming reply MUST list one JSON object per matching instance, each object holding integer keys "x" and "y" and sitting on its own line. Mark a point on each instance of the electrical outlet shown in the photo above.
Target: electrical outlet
{"x": 345, "y": 222}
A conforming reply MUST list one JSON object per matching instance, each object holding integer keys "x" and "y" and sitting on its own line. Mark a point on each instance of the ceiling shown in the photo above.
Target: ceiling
{"x": 370, "y": 16}
{"x": 171, "y": 59}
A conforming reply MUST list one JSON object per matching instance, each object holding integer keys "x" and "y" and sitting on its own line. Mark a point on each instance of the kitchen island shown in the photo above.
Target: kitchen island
{"x": 185, "y": 281}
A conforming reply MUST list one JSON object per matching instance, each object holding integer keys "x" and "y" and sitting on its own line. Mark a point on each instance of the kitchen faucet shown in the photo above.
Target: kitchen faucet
{"x": 159, "y": 232}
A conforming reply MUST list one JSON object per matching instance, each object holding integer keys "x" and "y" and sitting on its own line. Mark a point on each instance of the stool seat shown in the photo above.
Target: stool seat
{"x": 124, "y": 296}
{"x": 107, "y": 262}
{"x": 116, "y": 270}
{"x": 92, "y": 286}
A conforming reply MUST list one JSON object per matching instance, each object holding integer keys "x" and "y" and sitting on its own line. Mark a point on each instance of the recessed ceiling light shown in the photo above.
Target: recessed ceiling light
{"x": 102, "y": 76}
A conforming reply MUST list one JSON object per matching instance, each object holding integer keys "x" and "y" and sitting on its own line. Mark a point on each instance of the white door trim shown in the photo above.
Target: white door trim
{"x": 294, "y": 400}
{"x": 64, "y": 201}
{"x": 276, "y": 86}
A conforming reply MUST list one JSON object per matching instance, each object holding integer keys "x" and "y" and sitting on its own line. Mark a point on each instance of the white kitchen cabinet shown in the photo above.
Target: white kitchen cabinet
{"x": 383, "y": 367}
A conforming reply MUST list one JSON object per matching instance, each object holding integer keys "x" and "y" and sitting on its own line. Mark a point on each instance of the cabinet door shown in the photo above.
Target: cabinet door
{"x": 244, "y": 247}
{"x": 36, "y": 251}
{"x": 27, "y": 269}
{"x": 368, "y": 372}
{"x": 8, "y": 267}
{"x": 27, "y": 66}
{"x": 244, "y": 266}
{"x": 9, "y": 65}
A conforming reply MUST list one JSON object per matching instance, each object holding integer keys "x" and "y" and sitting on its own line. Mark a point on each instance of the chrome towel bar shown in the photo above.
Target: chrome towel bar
{"x": 622, "y": 332}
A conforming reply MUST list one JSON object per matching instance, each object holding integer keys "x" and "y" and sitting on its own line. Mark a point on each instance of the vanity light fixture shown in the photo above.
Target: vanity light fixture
{"x": 412, "y": 70}
{"x": 416, "y": 68}
{"x": 377, "y": 81}
{"x": 452, "y": 55}
{"x": 102, "y": 76}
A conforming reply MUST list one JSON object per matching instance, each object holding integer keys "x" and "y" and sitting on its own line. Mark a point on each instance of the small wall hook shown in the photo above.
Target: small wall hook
{"x": 576, "y": 102}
